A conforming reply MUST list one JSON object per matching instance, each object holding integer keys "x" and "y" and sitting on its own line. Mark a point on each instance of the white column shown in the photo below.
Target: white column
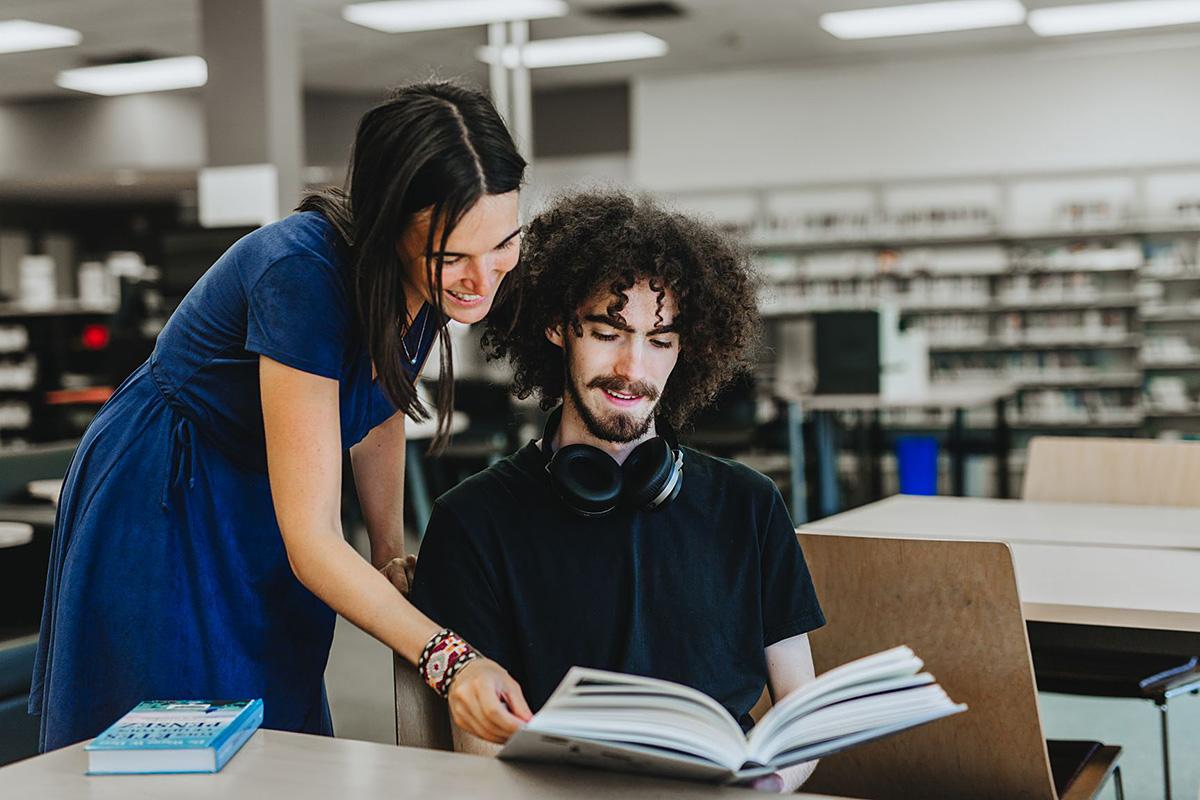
{"x": 522, "y": 93}
{"x": 252, "y": 110}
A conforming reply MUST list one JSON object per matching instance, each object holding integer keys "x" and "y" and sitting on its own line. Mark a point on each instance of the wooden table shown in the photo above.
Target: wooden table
{"x": 302, "y": 767}
{"x": 1099, "y": 575}
{"x": 957, "y": 397}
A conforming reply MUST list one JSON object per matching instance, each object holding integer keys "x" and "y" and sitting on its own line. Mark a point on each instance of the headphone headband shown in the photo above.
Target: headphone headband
{"x": 592, "y": 484}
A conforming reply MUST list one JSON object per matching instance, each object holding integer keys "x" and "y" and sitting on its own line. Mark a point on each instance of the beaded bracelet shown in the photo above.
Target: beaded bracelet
{"x": 444, "y": 656}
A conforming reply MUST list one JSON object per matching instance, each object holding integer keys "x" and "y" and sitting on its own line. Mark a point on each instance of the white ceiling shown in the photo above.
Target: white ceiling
{"x": 341, "y": 57}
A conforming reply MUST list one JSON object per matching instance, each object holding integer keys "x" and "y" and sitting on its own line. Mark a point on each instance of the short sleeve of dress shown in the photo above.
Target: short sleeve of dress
{"x": 298, "y": 314}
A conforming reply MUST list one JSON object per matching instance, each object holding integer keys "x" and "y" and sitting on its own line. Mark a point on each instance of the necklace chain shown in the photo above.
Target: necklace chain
{"x": 412, "y": 359}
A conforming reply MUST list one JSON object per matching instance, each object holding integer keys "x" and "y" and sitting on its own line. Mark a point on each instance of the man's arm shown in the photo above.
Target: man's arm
{"x": 378, "y": 462}
{"x": 790, "y": 666}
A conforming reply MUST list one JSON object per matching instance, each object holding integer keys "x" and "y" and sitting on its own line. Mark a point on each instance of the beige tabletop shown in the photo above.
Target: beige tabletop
{"x": 1125, "y": 566}
{"x": 302, "y": 767}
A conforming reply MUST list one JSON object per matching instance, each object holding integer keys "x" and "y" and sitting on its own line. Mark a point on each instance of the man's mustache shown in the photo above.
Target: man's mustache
{"x": 611, "y": 383}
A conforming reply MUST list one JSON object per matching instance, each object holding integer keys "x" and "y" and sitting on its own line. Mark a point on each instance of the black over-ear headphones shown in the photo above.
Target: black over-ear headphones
{"x": 593, "y": 484}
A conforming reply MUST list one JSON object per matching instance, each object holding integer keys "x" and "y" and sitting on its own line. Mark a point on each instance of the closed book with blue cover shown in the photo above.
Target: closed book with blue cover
{"x": 172, "y": 736}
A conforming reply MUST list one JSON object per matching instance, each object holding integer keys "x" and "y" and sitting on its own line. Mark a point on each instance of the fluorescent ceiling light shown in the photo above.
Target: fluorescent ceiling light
{"x": 955, "y": 15}
{"x": 159, "y": 75}
{"x": 19, "y": 35}
{"x": 1098, "y": 17}
{"x": 573, "y": 50}
{"x": 399, "y": 16}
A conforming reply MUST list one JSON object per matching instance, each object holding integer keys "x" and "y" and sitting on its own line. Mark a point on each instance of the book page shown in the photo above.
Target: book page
{"x": 594, "y": 704}
{"x": 527, "y": 745}
{"x": 899, "y": 662}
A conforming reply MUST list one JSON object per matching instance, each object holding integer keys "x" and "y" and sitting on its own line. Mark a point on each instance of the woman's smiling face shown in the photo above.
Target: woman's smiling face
{"x": 480, "y": 251}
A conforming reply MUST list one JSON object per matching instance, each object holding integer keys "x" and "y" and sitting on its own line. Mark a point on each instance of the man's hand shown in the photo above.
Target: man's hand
{"x": 400, "y": 572}
{"x": 788, "y": 780}
{"x": 486, "y": 702}
{"x": 766, "y": 783}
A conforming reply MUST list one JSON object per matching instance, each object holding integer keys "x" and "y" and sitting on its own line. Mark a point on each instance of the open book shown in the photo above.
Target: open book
{"x": 635, "y": 724}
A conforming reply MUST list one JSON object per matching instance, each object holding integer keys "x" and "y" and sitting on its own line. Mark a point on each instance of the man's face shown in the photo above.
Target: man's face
{"x": 617, "y": 370}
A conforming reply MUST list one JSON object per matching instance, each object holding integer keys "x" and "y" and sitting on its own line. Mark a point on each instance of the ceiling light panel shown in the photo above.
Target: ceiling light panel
{"x": 909, "y": 20}
{"x": 158, "y": 75}
{"x": 1116, "y": 16}
{"x": 574, "y": 50}
{"x": 401, "y": 16}
{"x": 20, "y": 35}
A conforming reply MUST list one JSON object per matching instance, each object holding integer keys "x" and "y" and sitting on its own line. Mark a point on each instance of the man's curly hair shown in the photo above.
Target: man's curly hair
{"x": 596, "y": 241}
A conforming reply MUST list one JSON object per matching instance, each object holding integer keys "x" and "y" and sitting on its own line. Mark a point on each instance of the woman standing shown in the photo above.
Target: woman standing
{"x": 198, "y": 549}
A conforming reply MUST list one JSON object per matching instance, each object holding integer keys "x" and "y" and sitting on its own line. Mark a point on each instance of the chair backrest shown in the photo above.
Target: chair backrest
{"x": 1082, "y": 469}
{"x": 955, "y": 603}
{"x": 422, "y": 718}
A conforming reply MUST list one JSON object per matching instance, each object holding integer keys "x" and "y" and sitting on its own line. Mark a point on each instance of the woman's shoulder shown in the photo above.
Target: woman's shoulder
{"x": 302, "y": 244}
{"x": 304, "y": 235}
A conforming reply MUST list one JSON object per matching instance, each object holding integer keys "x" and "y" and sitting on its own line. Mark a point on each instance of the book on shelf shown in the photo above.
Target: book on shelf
{"x": 636, "y": 724}
{"x": 172, "y": 736}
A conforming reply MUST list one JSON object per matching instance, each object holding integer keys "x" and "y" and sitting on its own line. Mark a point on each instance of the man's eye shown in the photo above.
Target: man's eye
{"x": 604, "y": 337}
{"x": 665, "y": 345}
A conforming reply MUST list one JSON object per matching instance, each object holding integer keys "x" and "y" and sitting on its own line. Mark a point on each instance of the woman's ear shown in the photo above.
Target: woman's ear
{"x": 555, "y": 335}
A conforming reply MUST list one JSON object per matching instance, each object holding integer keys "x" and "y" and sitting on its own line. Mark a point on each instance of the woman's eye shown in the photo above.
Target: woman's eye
{"x": 509, "y": 245}
{"x": 449, "y": 261}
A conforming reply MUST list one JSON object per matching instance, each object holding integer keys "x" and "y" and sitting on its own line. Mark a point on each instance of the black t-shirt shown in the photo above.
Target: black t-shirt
{"x": 691, "y": 593}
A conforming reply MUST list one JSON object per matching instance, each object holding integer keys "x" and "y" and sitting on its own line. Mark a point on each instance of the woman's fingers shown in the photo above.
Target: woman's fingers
{"x": 515, "y": 699}
{"x": 499, "y": 716}
{"x": 493, "y": 709}
{"x": 399, "y": 573}
{"x": 478, "y": 700}
{"x": 477, "y": 726}
{"x": 410, "y": 568}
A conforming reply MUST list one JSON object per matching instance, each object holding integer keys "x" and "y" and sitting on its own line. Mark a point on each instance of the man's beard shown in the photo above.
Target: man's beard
{"x": 614, "y": 427}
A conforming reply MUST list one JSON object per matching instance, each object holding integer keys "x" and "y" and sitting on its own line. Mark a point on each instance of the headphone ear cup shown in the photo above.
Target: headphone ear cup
{"x": 647, "y": 471}
{"x": 587, "y": 479}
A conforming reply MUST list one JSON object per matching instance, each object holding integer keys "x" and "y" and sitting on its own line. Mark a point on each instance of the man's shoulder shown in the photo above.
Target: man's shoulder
{"x": 724, "y": 472}
{"x": 490, "y": 493}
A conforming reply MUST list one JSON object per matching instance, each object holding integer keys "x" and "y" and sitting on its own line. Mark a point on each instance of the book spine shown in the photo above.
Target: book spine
{"x": 251, "y": 717}
{"x": 230, "y": 748}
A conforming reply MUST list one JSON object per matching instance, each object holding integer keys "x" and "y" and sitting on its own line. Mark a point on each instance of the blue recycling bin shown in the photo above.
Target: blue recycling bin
{"x": 917, "y": 464}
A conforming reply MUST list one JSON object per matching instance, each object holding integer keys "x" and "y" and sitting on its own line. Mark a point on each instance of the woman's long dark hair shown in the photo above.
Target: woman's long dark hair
{"x": 433, "y": 145}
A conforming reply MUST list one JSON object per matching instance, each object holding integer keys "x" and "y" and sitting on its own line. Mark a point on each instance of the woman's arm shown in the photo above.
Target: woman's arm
{"x": 378, "y": 462}
{"x": 303, "y": 434}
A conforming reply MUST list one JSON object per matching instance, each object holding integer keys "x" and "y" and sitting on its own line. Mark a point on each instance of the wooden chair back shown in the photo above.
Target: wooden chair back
{"x": 955, "y": 604}
{"x": 422, "y": 718}
{"x": 1084, "y": 469}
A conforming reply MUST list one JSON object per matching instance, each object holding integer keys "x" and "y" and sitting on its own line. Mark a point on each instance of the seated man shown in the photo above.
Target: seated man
{"x": 596, "y": 546}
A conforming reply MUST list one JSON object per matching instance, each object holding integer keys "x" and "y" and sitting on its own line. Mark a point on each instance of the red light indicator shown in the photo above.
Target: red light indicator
{"x": 95, "y": 337}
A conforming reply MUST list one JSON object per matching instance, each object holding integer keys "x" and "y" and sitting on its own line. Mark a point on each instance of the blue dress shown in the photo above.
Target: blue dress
{"x": 168, "y": 577}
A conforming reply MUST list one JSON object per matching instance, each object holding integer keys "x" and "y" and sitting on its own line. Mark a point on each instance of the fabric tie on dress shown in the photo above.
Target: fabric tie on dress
{"x": 182, "y": 459}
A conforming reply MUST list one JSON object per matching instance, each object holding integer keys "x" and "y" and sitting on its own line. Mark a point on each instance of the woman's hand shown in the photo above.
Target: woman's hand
{"x": 400, "y": 572}
{"x": 486, "y": 702}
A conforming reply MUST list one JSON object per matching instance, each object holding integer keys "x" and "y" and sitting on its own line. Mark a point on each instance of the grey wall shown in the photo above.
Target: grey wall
{"x": 60, "y": 137}
{"x": 583, "y": 120}
{"x": 165, "y": 131}
{"x": 980, "y": 115}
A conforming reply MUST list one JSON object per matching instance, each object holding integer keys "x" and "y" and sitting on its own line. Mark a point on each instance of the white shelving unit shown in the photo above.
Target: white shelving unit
{"x": 1081, "y": 288}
